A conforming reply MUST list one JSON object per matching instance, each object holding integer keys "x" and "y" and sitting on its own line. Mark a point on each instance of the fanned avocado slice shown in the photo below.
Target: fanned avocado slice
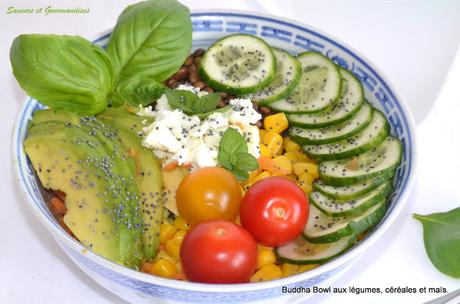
{"x": 86, "y": 163}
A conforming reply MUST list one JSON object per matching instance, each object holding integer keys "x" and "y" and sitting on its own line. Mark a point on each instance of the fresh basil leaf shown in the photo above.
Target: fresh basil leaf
{"x": 246, "y": 162}
{"x": 220, "y": 110}
{"x": 232, "y": 142}
{"x": 137, "y": 90}
{"x": 63, "y": 72}
{"x": 233, "y": 154}
{"x": 441, "y": 232}
{"x": 152, "y": 38}
{"x": 240, "y": 175}
{"x": 225, "y": 161}
{"x": 208, "y": 103}
{"x": 183, "y": 100}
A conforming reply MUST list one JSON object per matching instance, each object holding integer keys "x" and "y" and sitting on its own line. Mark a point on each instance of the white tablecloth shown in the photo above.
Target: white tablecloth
{"x": 412, "y": 42}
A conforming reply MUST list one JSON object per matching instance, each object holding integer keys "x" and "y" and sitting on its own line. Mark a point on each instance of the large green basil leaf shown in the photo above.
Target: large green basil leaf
{"x": 137, "y": 90}
{"x": 152, "y": 38}
{"x": 63, "y": 72}
{"x": 441, "y": 233}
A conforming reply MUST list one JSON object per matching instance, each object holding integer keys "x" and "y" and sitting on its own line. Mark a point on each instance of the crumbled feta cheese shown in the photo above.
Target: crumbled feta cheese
{"x": 175, "y": 136}
{"x": 190, "y": 88}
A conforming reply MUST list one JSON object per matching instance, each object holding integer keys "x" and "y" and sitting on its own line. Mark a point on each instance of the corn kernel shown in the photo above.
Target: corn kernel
{"x": 265, "y": 151}
{"x": 262, "y": 248}
{"x": 274, "y": 142}
{"x": 290, "y": 145}
{"x": 179, "y": 236}
{"x": 172, "y": 246}
{"x": 267, "y": 273}
{"x": 162, "y": 268}
{"x": 166, "y": 231}
{"x": 307, "y": 178}
{"x": 304, "y": 167}
{"x": 277, "y": 122}
{"x": 292, "y": 177}
{"x": 261, "y": 176}
{"x": 261, "y": 134}
{"x": 303, "y": 268}
{"x": 265, "y": 257}
{"x": 307, "y": 188}
{"x": 283, "y": 163}
{"x": 162, "y": 254}
{"x": 289, "y": 269}
{"x": 180, "y": 224}
{"x": 296, "y": 156}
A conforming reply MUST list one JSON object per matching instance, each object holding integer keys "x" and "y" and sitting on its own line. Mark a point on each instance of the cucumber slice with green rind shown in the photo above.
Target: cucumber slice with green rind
{"x": 371, "y": 136}
{"x": 354, "y": 207}
{"x": 238, "y": 64}
{"x": 322, "y": 228}
{"x": 351, "y": 99}
{"x": 318, "y": 89}
{"x": 288, "y": 72}
{"x": 380, "y": 161}
{"x": 350, "y": 191}
{"x": 335, "y": 132}
{"x": 302, "y": 252}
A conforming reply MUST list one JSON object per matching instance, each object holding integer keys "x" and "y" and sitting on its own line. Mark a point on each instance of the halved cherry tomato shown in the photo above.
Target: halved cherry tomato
{"x": 218, "y": 252}
{"x": 211, "y": 193}
{"x": 274, "y": 210}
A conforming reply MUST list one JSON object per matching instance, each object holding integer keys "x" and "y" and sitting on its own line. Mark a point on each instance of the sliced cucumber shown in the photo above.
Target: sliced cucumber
{"x": 238, "y": 64}
{"x": 302, "y": 252}
{"x": 318, "y": 89}
{"x": 354, "y": 207}
{"x": 288, "y": 72}
{"x": 335, "y": 132}
{"x": 372, "y": 135}
{"x": 351, "y": 191}
{"x": 380, "y": 161}
{"x": 351, "y": 99}
{"x": 322, "y": 228}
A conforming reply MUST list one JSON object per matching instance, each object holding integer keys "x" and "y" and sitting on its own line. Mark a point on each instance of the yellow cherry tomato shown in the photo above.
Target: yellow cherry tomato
{"x": 208, "y": 194}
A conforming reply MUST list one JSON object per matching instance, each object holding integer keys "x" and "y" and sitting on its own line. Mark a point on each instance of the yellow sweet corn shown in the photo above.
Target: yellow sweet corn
{"x": 262, "y": 175}
{"x": 265, "y": 151}
{"x": 303, "y": 268}
{"x": 289, "y": 269}
{"x": 172, "y": 246}
{"x": 180, "y": 224}
{"x": 274, "y": 142}
{"x": 277, "y": 122}
{"x": 265, "y": 257}
{"x": 296, "y": 156}
{"x": 261, "y": 134}
{"x": 290, "y": 145}
{"x": 267, "y": 273}
{"x": 262, "y": 248}
{"x": 283, "y": 163}
{"x": 162, "y": 268}
{"x": 304, "y": 167}
{"x": 306, "y": 178}
{"x": 162, "y": 254}
{"x": 179, "y": 236}
{"x": 166, "y": 231}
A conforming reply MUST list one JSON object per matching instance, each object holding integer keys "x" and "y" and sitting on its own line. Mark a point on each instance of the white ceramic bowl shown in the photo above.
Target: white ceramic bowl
{"x": 208, "y": 26}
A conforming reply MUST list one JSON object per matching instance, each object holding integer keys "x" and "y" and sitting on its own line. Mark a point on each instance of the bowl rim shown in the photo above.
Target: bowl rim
{"x": 349, "y": 255}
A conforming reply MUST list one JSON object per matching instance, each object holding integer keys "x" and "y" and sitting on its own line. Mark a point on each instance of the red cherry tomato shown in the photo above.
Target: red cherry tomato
{"x": 218, "y": 252}
{"x": 275, "y": 211}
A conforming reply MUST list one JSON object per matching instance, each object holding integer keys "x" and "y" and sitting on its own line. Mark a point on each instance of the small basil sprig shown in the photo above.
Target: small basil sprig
{"x": 233, "y": 155}
{"x": 441, "y": 233}
{"x": 190, "y": 103}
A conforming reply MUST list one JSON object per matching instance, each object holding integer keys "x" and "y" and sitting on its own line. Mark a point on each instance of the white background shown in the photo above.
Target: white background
{"x": 412, "y": 42}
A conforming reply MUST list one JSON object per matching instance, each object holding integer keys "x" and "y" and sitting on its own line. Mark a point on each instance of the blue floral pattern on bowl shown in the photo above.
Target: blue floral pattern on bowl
{"x": 295, "y": 38}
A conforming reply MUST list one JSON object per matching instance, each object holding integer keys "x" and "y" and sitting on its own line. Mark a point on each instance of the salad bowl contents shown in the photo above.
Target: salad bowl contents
{"x": 239, "y": 163}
